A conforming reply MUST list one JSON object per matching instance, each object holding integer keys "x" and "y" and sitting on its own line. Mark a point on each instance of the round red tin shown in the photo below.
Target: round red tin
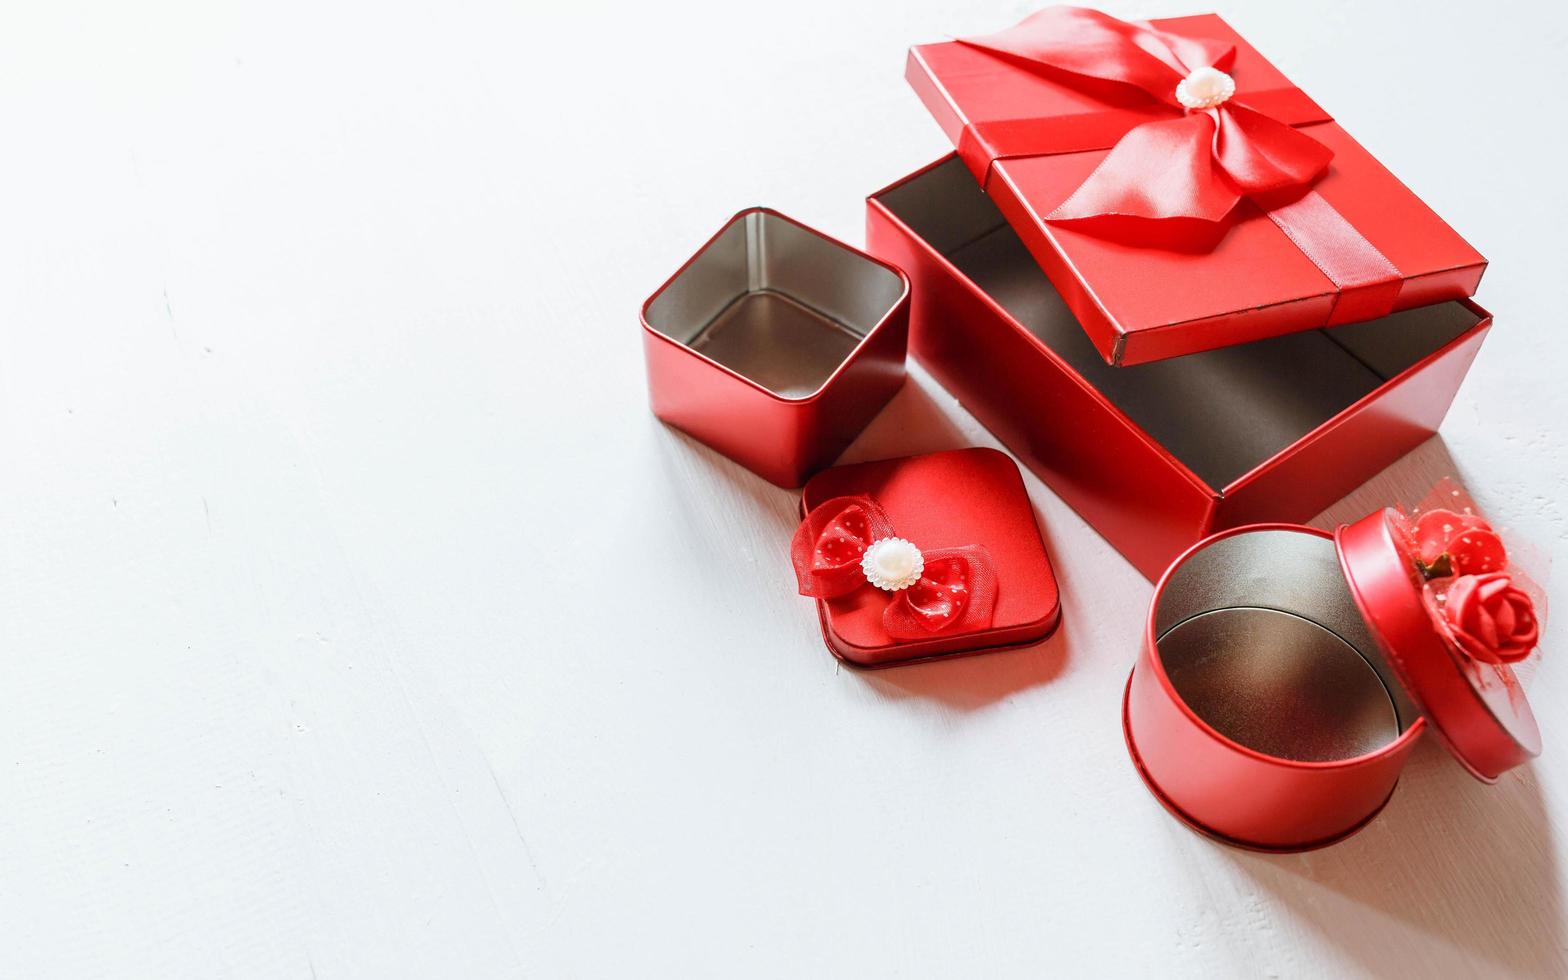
{"x": 1285, "y": 675}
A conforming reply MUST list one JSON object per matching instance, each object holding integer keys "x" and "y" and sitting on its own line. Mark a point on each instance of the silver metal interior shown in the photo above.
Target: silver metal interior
{"x": 1221, "y": 412}
{"x": 1260, "y": 637}
{"x": 776, "y": 303}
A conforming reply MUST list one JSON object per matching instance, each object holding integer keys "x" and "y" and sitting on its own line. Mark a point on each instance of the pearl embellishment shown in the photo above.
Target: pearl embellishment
{"x": 1205, "y": 89}
{"x": 892, "y": 564}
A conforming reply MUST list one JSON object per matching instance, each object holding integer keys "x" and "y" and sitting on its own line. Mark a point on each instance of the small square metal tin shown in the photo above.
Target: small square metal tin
{"x": 775, "y": 344}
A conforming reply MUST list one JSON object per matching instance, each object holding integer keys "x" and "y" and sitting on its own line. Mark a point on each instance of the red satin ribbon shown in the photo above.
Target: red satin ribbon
{"x": 1367, "y": 281}
{"x": 1196, "y": 166}
{"x": 956, "y": 591}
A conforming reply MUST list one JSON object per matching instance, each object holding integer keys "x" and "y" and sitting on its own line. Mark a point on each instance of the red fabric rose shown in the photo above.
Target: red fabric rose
{"x": 1470, "y": 544}
{"x": 1490, "y": 618}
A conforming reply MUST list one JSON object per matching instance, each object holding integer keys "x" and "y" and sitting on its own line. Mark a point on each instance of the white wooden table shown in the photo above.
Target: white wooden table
{"x": 358, "y": 620}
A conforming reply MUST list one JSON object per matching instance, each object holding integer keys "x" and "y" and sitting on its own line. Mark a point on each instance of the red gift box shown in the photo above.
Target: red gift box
{"x": 1351, "y": 244}
{"x": 776, "y": 344}
{"x": 1158, "y": 456}
{"x": 962, "y": 498}
{"x": 1286, "y": 674}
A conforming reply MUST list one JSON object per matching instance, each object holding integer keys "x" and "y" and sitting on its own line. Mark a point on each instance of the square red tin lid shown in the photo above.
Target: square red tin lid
{"x": 1477, "y": 708}
{"x": 1032, "y": 135}
{"x": 961, "y": 497}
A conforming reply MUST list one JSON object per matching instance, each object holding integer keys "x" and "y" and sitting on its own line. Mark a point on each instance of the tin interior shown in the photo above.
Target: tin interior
{"x": 1260, "y": 637}
{"x": 1221, "y": 412}
{"x": 775, "y": 303}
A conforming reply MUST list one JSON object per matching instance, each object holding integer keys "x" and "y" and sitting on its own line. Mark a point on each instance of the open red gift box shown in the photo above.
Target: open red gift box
{"x": 1157, "y": 456}
{"x": 1063, "y": 338}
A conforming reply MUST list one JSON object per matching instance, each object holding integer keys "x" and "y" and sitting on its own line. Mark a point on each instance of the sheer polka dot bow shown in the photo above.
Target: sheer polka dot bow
{"x": 848, "y": 543}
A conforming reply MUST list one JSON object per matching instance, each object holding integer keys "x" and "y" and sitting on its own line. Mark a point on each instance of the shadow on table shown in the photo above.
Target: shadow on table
{"x": 912, "y": 423}
{"x": 1470, "y": 865}
{"x": 973, "y": 682}
{"x": 1405, "y": 483}
{"x": 726, "y": 497}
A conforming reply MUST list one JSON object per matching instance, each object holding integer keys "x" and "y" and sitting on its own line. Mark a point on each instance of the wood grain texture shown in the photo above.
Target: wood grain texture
{"x": 357, "y": 619}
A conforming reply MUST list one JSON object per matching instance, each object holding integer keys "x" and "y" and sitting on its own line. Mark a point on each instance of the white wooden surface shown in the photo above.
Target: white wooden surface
{"x": 357, "y": 619}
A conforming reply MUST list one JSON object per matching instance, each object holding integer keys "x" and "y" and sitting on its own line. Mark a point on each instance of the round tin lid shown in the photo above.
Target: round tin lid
{"x": 1477, "y": 708}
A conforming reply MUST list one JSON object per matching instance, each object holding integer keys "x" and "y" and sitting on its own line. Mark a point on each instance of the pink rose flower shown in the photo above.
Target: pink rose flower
{"x": 1490, "y": 618}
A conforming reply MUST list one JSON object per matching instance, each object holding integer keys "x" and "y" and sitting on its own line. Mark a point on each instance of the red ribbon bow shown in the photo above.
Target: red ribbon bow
{"x": 956, "y": 590}
{"x": 1195, "y": 167}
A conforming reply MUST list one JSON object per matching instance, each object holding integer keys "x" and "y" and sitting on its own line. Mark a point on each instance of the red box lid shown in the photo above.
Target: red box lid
{"x": 944, "y": 500}
{"x": 1477, "y": 708}
{"x": 1143, "y": 299}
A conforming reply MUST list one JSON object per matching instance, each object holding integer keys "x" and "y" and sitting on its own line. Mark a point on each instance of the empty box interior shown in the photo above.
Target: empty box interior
{"x": 1221, "y": 412}
{"x": 775, "y": 302}
{"x": 1260, "y": 637}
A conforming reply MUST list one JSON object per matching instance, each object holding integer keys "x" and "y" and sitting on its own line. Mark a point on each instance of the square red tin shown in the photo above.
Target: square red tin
{"x": 950, "y": 499}
{"x": 1285, "y": 675}
{"x": 1030, "y": 136}
{"x": 1158, "y": 456}
{"x": 776, "y": 345}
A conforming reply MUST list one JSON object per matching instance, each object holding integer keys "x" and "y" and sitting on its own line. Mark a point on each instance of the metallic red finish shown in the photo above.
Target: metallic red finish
{"x": 1143, "y": 500}
{"x": 1478, "y": 709}
{"x": 1251, "y": 799}
{"x": 1192, "y": 823}
{"x": 783, "y": 440}
{"x": 1343, "y": 453}
{"x": 1236, "y": 794}
{"x": 1031, "y": 138}
{"x": 938, "y": 500}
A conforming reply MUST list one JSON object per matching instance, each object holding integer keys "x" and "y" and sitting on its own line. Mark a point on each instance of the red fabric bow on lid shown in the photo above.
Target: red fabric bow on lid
{"x": 1185, "y": 174}
{"x": 847, "y": 543}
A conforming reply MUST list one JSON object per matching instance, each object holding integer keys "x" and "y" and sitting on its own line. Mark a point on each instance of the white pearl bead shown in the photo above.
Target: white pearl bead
{"x": 1205, "y": 88}
{"x": 892, "y": 564}
{"x": 895, "y": 562}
